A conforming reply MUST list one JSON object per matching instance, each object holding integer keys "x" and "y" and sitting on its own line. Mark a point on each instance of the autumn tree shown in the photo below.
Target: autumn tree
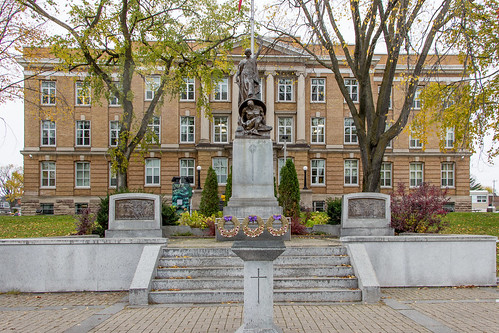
{"x": 11, "y": 182}
{"x": 406, "y": 30}
{"x": 112, "y": 41}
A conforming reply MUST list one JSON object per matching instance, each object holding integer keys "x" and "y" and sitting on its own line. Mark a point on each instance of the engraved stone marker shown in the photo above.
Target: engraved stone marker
{"x": 134, "y": 209}
{"x": 366, "y": 214}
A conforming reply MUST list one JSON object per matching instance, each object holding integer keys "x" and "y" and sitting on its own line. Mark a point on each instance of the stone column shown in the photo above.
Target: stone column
{"x": 270, "y": 100}
{"x": 235, "y": 106}
{"x": 300, "y": 109}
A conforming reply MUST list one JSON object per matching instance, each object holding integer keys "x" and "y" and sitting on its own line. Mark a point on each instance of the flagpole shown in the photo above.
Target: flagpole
{"x": 252, "y": 23}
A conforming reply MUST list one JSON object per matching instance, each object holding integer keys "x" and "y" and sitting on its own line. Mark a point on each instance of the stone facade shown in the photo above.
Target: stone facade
{"x": 301, "y": 115}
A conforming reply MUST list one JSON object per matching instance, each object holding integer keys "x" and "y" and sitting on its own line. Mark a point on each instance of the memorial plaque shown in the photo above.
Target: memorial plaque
{"x": 366, "y": 208}
{"x": 134, "y": 209}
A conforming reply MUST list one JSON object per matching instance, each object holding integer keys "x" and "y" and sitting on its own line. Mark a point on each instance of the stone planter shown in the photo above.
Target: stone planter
{"x": 176, "y": 230}
{"x": 328, "y": 229}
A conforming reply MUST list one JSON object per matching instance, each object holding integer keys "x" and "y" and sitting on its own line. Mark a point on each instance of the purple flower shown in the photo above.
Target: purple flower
{"x": 252, "y": 218}
{"x": 277, "y": 217}
{"x": 227, "y": 218}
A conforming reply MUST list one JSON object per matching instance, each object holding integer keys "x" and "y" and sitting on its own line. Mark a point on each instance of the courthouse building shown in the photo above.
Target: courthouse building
{"x": 68, "y": 135}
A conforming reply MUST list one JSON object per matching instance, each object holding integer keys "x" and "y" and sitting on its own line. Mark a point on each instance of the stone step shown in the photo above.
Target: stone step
{"x": 279, "y": 271}
{"x": 227, "y": 252}
{"x": 237, "y": 295}
{"x": 238, "y": 283}
{"x": 237, "y": 262}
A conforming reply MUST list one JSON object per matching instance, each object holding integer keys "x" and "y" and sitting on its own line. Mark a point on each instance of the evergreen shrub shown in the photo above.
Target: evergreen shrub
{"x": 333, "y": 209}
{"x": 210, "y": 204}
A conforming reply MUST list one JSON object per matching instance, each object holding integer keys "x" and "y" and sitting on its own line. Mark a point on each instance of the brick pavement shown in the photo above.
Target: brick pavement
{"x": 402, "y": 310}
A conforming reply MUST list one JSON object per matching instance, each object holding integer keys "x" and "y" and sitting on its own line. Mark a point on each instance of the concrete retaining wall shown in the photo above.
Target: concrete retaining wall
{"x": 430, "y": 260}
{"x": 70, "y": 264}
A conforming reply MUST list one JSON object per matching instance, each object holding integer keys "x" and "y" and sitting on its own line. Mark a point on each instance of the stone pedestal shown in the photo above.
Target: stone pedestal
{"x": 252, "y": 179}
{"x": 258, "y": 256}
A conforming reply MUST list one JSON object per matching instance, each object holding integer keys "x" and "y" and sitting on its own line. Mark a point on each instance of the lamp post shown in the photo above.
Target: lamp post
{"x": 305, "y": 177}
{"x": 199, "y": 177}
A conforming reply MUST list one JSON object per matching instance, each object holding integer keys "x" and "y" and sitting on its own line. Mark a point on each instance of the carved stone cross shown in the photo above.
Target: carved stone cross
{"x": 258, "y": 277}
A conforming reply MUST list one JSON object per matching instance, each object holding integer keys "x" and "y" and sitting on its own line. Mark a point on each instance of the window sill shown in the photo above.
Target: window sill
{"x": 187, "y": 100}
{"x": 317, "y": 102}
{"x": 47, "y": 187}
{"x": 350, "y": 185}
{"x": 152, "y": 185}
{"x": 82, "y": 187}
{"x": 317, "y": 185}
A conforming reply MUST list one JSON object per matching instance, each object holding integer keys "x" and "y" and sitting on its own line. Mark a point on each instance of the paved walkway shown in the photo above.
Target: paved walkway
{"x": 401, "y": 310}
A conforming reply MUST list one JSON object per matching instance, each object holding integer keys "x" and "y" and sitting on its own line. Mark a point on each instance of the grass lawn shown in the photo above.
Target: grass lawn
{"x": 36, "y": 226}
{"x": 474, "y": 224}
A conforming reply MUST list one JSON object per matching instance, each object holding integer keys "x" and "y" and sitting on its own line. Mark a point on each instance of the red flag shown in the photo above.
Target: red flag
{"x": 239, "y": 8}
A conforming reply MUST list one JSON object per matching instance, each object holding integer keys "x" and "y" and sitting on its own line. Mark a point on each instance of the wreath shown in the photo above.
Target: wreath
{"x": 228, "y": 232}
{"x": 253, "y": 232}
{"x": 284, "y": 225}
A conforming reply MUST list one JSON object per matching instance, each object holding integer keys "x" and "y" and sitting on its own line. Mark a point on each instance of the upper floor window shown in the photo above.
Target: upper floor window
{"x": 186, "y": 129}
{"x": 318, "y": 172}
{"x": 415, "y": 174}
{"x": 415, "y": 143}
{"x": 353, "y": 89}
{"x": 220, "y": 129}
{"x": 113, "y": 100}
{"x": 152, "y": 171}
{"x": 188, "y": 90}
{"x": 221, "y": 93}
{"x": 416, "y": 103}
{"x": 152, "y": 84}
{"x": 318, "y": 125}
{"x": 351, "y": 172}
{"x": 82, "y": 94}
{"x": 82, "y": 178}
{"x": 350, "y": 131}
{"x": 285, "y": 129}
{"x": 48, "y": 133}
{"x": 449, "y": 138}
{"x": 318, "y": 90}
{"x": 113, "y": 177}
{"x": 220, "y": 165}
{"x": 83, "y": 133}
{"x": 285, "y": 90}
{"x": 386, "y": 175}
{"x": 48, "y": 93}
{"x": 154, "y": 127}
{"x": 47, "y": 174}
{"x": 114, "y": 132}
{"x": 447, "y": 172}
{"x": 187, "y": 168}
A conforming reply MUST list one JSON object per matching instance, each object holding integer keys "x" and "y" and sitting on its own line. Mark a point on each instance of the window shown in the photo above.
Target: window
{"x": 152, "y": 84}
{"x": 280, "y": 164}
{"x": 390, "y": 143}
{"x": 318, "y": 90}
{"x": 285, "y": 90}
{"x": 154, "y": 127}
{"x": 415, "y": 143}
{"x": 187, "y": 93}
{"x": 221, "y": 93}
{"x": 79, "y": 207}
{"x": 47, "y": 209}
{"x": 317, "y": 130}
{"x": 447, "y": 172}
{"x": 113, "y": 100}
{"x": 350, "y": 131}
{"x": 416, "y": 103}
{"x": 152, "y": 171}
{"x": 113, "y": 180}
{"x": 114, "y": 132}
{"x": 48, "y": 93}
{"x": 221, "y": 169}
{"x": 449, "y": 138}
{"x": 261, "y": 93}
{"x": 186, "y": 129}
{"x": 416, "y": 174}
{"x": 285, "y": 129}
{"x": 82, "y": 174}
{"x": 47, "y": 170}
{"x": 319, "y": 206}
{"x": 220, "y": 129}
{"x": 318, "y": 172}
{"x": 481, "y": 198}
{"x": 386, "y": 175}
{"x": 48, "y": 133}
{"x": 353, "y": 89}
{"x": 351, "y": 172}
{"x": 82, "y": 94}
{"x": 83, "y": 133}
{"x": 187, "y": 168}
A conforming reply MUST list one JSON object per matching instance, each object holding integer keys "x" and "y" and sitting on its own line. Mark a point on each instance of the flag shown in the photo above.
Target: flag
{"x": 239, "y": 8}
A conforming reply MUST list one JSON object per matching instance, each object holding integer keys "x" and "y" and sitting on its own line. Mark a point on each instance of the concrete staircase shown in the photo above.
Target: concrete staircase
{"x": 215, "y": 275}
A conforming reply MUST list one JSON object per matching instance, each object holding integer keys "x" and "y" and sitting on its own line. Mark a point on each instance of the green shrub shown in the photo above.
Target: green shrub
{"x": 194, "y": 220}
{"x": 289, "y": 190}
{"x": 102, "y": 218}
{"x": 210, "y": 203}
{"x": 169, "y": 215}
{"x": 333, "y": 207}
{"x": 317, "y": 218}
